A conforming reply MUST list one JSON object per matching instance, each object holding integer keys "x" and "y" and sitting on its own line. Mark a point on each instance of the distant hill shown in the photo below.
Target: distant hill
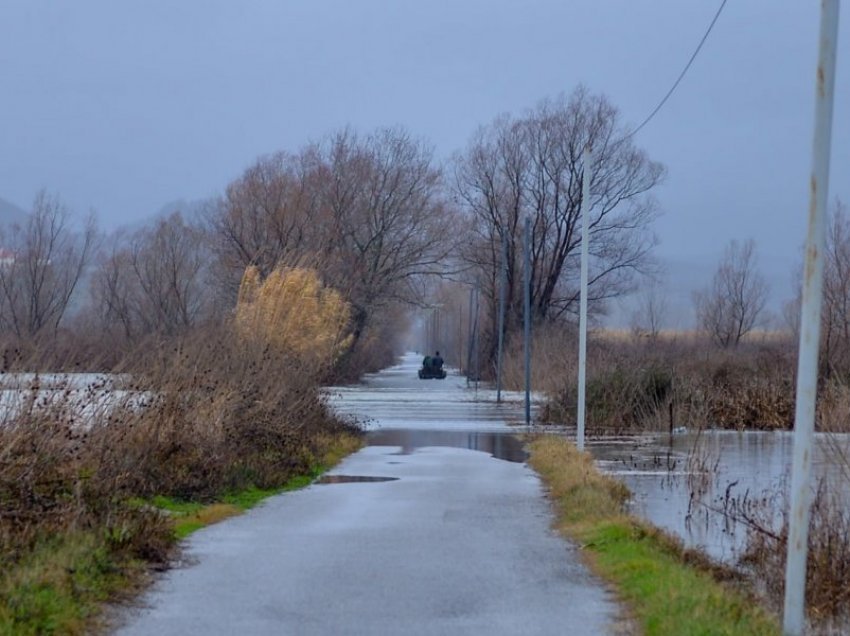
{"x": 11, "y": 213}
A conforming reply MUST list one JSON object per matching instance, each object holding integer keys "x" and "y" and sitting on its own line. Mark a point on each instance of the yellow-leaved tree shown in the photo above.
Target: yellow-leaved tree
{"x": 294, "y": 312}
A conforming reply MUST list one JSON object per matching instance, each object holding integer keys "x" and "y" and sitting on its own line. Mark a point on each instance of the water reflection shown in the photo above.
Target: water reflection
{"x": 353, "y": 479}
{"x": 500, "y": 445}
{"x": 663, "y": 473}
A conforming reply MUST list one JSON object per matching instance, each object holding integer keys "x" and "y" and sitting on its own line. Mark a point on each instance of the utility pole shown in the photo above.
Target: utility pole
{"x": 470, "y": 337}
{"x": 794, "y": 619}
{"x": 476, "y": 334}
{"x": 582, "y": 320}
{"x": 460, "y": 336}
{"x": 503, "y": 284}
{"x": 527, "y": 316}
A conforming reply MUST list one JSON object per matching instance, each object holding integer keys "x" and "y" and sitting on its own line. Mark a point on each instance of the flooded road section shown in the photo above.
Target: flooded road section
{"x": 399, "y": 409}
{"x": 436, "y": 527}
{"x": 684, "y": 484}
{"x": 498, "y": 444}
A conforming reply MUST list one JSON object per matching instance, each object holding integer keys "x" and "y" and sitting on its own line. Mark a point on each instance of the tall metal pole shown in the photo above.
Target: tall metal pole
{"x": 582, "y": 318}
{"x": 469, "y": 337}
{"x": 460, "y": 336}
{"x": 794, "y": 619}
{"x": 526, "y": 312}
{"x": 476, "y": 338}
{"x": 438, "y": 329}
{"x": 503, "y": 284}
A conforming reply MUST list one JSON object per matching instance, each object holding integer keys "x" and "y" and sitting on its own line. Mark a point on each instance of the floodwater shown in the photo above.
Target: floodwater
{"x": 398, "y": 409}
{"x": 501, "y": 445}
{"x": 720, "y": 466}
{"x": 353, "y": 479}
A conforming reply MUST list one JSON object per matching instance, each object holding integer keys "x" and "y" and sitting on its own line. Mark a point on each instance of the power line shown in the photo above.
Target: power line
{"x": 682, "y": 74}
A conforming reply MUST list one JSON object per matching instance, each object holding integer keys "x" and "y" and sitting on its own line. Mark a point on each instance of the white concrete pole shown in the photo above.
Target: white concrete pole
{"x": 582, "y": 318}
{"x": 807, "y": 367}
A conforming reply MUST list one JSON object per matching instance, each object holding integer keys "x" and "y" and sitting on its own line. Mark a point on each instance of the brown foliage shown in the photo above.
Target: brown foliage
{"x": 828, "y": 563}
{"x": 206, "y": 415}
{"x": 220, "y": 414}
{"x": 53, "y": 480}
{"x": 368, "y": 213}
{"x": 294, "y": 313}
{"x": 637, "y": 384}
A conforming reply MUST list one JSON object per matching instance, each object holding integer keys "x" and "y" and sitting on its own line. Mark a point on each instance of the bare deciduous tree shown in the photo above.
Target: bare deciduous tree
{"x": 43, "y": 262}
{"x": 368, "y": 212}
{"x": 651, "y": 313}
{"x": 532, "y": 166}
{"x": 389, "y": 225}
{"x": 155, "y": 281}
{"x": 735, "y": 302}
{"x": 836, "y": 290}
{"x": 835, "y": 316}
{"x": 266, "y": 217}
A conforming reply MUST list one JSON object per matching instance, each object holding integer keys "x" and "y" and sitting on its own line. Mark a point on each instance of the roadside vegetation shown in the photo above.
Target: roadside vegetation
{"x": 668, "y": 589}
{"x": 99, "y": 479}
{"x": 97, "y": 484}
{"x": 157, "y": 380}
{"x": 662, "y": 385}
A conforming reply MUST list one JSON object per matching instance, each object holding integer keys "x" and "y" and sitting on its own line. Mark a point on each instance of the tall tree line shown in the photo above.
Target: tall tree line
{"x": 379, "y": 219}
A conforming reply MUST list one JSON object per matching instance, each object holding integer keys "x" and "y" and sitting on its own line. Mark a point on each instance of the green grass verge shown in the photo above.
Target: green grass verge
{"x": 667, "y": 589}
{"x": 57, "y": 588}
{"x": 192, "y": 516}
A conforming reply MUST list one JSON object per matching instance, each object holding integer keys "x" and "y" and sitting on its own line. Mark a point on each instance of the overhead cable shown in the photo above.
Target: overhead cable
{"x": 682, "y": 74}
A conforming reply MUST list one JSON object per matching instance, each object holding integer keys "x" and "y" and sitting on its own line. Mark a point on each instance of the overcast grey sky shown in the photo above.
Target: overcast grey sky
{"x": 122, "y": 107}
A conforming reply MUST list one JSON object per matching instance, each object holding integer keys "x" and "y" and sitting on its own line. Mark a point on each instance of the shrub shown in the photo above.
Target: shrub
{"x": 293, "y": 312}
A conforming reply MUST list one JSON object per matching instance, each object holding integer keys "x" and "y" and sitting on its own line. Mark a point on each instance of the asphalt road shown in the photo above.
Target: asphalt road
{"x": 453, "y": 542}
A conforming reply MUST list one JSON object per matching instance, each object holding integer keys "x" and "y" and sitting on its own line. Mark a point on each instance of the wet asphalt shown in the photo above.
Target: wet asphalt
{"x": 439, "y": 539}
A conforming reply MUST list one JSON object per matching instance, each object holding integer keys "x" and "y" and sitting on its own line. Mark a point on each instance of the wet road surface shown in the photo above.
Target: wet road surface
{"x": 412, "y": 535}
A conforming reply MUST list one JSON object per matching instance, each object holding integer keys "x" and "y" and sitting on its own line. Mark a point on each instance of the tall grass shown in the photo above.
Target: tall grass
{"x": 636, "y": 384}
{"x": 194, "y": 419}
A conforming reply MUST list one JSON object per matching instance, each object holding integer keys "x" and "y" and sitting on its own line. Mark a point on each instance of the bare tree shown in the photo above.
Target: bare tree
{"x": 735, "y": 302}
{"x": 835, "y": 316}
{"x": 388, "y": 223}
{"x": 836, "y": 290}
{"x": 532, "y": 166}
{"x": 42, "y": 264}
{"x": 368, "y": 212}
{"x": 154, "y": 282}
{"x": 266, "y": 217}
{"x": 649, "y": 317}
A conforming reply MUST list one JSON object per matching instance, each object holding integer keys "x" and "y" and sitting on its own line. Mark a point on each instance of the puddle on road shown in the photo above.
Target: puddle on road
{"x": 500, "y": 445}
{"x": 352, "y": 479}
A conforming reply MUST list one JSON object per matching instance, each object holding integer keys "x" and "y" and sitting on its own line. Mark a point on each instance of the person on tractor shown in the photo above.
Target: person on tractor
{"x": 432, "y": 368}
{"x": 437, "y": 361}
